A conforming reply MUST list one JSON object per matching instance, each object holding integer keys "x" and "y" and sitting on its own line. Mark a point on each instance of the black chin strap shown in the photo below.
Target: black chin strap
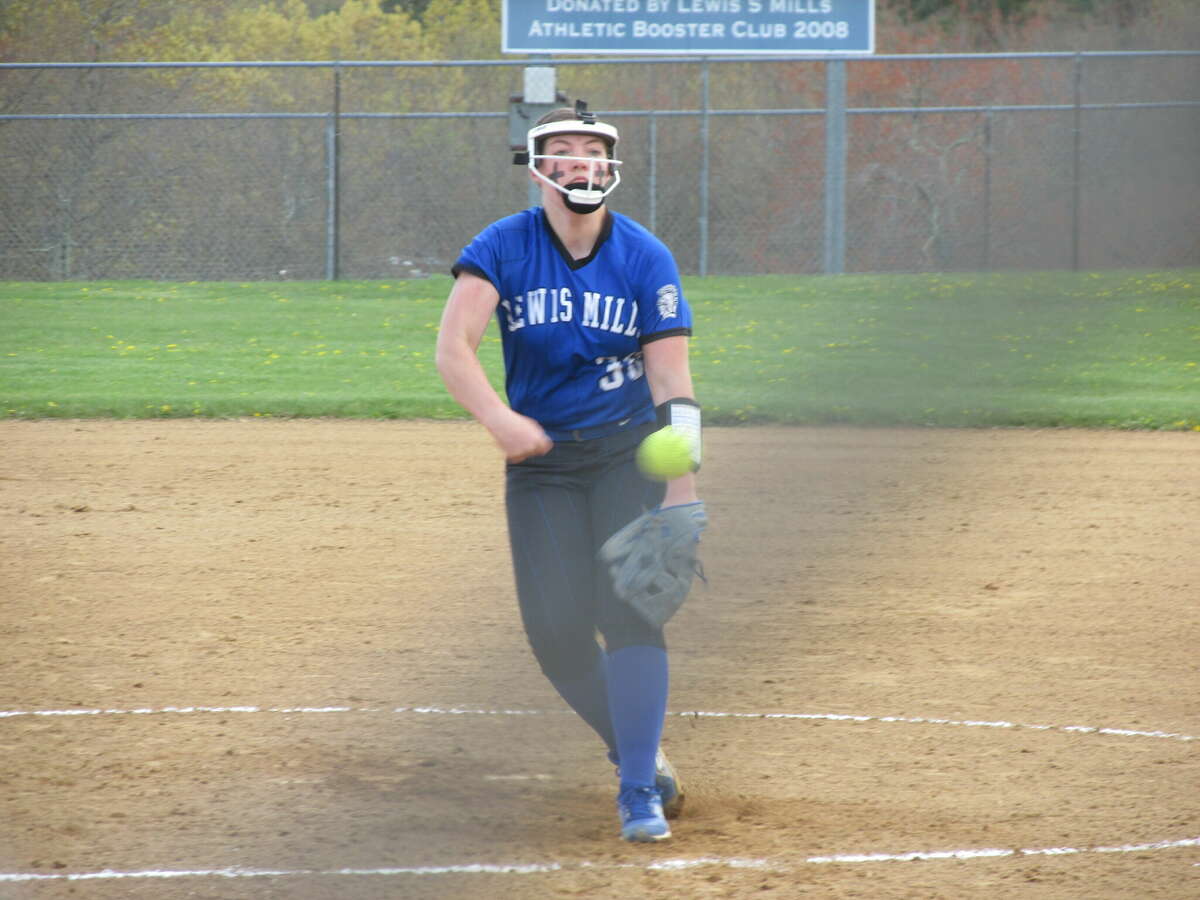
{"x": 582, "y": 209}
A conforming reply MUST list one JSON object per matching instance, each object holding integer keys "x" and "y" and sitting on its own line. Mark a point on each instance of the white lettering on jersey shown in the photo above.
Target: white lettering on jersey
{"x": 632, "y": 330}
{"x": 618, "y": 371}
{"x": 612, "y": 378}
{"x": 514, "y": 313}
{"x": 561, "y": 307}
{"x": 568, "y": 305}
{"x": 613, "y": 307}
{"x": 535, "y": 305}
{"x": 616, "y": 320}
{"x": 591, "y": 309}
{"x": 542, "y": 306}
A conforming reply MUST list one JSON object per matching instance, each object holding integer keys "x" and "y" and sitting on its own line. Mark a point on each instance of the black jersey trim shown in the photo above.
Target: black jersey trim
{"x": 659, "y": 335}
{"x": 601, "y": 238}
{"x": 458, "y": 268}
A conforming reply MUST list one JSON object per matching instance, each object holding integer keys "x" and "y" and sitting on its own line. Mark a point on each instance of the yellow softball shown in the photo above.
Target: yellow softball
{"x": 664, "y": 454}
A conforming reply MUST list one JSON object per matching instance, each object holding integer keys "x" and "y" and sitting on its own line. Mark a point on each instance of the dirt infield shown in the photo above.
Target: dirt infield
{"x": 928, "y": 664}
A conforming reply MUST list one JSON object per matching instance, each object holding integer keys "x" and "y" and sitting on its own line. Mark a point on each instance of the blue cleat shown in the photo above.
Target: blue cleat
{"x": 642, "y": 819}
{"x": 666, "y": 779}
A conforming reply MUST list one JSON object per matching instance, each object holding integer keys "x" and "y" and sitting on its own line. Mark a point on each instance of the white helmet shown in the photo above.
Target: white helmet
{"x": 581, "y": 197}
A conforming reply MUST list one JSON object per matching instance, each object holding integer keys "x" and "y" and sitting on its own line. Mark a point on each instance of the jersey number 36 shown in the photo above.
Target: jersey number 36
{"x": 616, "y": 371}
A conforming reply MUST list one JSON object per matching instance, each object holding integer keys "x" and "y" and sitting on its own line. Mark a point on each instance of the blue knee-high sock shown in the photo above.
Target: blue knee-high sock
{"x": 637, "y": 698}
{"x": 588, "y": 696}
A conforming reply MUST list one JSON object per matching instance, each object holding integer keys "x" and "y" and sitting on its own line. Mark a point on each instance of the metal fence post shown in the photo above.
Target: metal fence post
{"x": 539, "y": 95}
{"x": 835, "y": 166}
{"x": 987, "y": 190}
{"x": 653, "y": 179}
{"x": 1077, "y": 125}
{"x": 332, "y": 179}
{"x": 704, "y": 166}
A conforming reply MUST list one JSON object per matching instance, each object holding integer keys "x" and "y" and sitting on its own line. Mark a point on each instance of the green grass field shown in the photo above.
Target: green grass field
{"x": 1103, "y": 349}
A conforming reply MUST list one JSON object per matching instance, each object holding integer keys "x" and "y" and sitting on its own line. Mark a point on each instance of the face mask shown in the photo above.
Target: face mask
{"x": 580, "y": 196}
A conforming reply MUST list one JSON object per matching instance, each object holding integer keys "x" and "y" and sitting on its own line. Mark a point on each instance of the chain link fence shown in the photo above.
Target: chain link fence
{"x": 253, "y": 171}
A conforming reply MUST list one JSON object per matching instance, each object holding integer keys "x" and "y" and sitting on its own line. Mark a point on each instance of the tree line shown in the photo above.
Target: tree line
{"x": 91, "y": 30}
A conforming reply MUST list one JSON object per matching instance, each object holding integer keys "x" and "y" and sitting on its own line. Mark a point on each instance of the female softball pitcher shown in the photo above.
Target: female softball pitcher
{"x": 594, "y": 328}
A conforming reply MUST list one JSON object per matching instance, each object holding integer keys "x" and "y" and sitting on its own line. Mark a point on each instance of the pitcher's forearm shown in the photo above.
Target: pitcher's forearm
{"x": 467, "y": 382}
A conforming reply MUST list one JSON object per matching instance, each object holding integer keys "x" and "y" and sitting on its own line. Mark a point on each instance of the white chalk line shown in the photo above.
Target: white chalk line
{"x": 464, "y": 711}
{"x": 663, "y": 865}
{"x": 660, "y": 865}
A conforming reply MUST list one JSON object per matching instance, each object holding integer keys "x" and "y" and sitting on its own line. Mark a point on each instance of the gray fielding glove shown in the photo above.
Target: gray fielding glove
{"x": 652, "y": 560}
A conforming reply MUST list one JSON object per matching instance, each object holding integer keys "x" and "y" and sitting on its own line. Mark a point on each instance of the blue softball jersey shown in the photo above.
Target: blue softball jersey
{"x": 573, "y": 330}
